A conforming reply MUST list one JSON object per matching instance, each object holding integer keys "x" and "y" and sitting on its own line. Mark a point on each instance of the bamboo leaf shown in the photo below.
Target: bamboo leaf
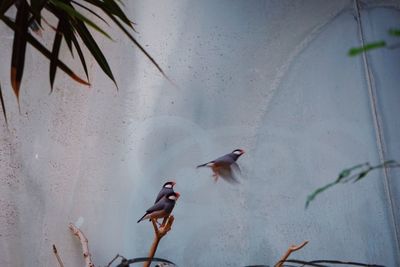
{"x": 36, "y": 44}
{"x": 139, "y": 46}
{"x": 19, "y": 46}
{"x": 3, "y": 106}
{"x": 54, "y": 53}
{"x": 91, "y": 11}
{"x": 70, "y": 10}
{"x": 67, "y": 33}
{"x": 111, "y": 8}
{"x": 367, "y": 47}
{"x": 94, "y": 49}
{"x": 80, "y": 54}
{"x": 394, "y": 32}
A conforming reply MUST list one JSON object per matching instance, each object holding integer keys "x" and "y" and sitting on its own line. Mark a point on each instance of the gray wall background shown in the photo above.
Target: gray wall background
{"x": 271, "y": 77}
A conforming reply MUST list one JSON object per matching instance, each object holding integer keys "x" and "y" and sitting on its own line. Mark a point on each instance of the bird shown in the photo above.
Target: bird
{"x": 167, "y": 188}
{"x": 163, "y": 208}
{"x": 225, "y": 166}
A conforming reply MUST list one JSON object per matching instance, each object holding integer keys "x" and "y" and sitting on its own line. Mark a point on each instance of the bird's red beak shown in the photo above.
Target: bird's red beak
{"x": 242, "y": 151}
{"x": 177, "y": 195}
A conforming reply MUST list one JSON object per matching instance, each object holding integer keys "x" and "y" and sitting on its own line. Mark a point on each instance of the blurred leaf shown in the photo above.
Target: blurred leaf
{"x": 68, "y": 33}
{"x": 358, "y": 50}
{"x": 45, "y": 52}
{"x": 365, "y": 169}
{"x": 93, "y": 48}
{"x": 91, "y": 11}
{"x": 19, "y": 46}
{"x": 111, "y": 8}
{"x": 78, "y": 16}
{"x": 394, "y": 32}
{"x": 54, "y": 53}
{"x": 3, "y": 106}
{"x": 139, "y": 46}
{"x": 312, "y": 196}
{"x": 80, "y": 54}
{"x": 362, "y": 175}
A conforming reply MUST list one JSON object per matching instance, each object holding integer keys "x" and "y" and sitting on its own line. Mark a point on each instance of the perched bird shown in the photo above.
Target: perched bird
{"x": 162, "y": 208}
{"x": 167, "y": 188}
{"x": 225, "y": 166}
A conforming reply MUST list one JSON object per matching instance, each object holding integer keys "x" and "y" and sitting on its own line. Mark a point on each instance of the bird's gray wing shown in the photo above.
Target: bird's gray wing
{"x": 160, "y": 195}
{"x": 226, "y": 159}
{"x": 235, "y": 168}
{"x": 158, "y": 206}
{"x": 228, "y": 175}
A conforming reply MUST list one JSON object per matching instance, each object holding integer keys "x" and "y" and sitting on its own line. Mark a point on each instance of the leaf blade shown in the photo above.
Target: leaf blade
{"x": 19, "y": 46}
{"x": 54, "y": 53}
{"x": 70, "y": 10}
{"x": 3, "y": 106}
{"x": 367, "y": 47}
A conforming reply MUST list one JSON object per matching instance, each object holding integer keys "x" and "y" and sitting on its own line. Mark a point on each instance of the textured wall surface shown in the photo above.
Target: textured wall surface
{"x": 271, "y": 77}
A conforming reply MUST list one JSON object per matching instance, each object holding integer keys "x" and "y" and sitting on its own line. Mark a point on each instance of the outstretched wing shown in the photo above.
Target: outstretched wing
{"x": 228, "y": 175}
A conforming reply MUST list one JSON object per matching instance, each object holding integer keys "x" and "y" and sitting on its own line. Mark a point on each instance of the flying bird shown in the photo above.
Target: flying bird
{"x": 225, "y": 166}
{"x": 163, "y": 208}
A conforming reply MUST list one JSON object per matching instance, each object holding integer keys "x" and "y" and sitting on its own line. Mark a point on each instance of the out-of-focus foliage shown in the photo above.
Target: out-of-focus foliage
{"x": 72, "y": 25}
{"x": 352, "y": 174}
{"x": 354, "y": 51}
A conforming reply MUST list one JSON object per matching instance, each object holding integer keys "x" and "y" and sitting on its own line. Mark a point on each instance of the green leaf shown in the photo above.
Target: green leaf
{"x": 111, "y": 8}
{"x": 314, "y": 194}
{"x": 94, "y": 49}
{"x": 80, "y": 54}
{"x": 67, "y": 33}
{"x": 3, "y": 106}
{"x": 55, "y": 52}
{"x": 91, "y": 11}
{"x": 362, "y": 175}
{"x": 140, "y": 47}
{"x": 19, "y": 46}
{"x": 358, "y": 50}
{"x": 394, "y": 32}
{"x": 78, "y": 16}
{"x": 36, "y": 44}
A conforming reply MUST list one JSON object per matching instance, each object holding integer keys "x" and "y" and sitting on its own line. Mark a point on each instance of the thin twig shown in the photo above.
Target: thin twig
{"x": 116, "y": 257}
{"x": 85, "y": 244}
{"x": 57, "y": 256}
{"x": 159, "y": 232}
{"x": 291, "y": 249}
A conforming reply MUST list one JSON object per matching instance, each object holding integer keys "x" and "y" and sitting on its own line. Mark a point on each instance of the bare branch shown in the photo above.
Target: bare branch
{"x": 57, "y": 256}
{"x": 85, "y": 244}
{"x": 159, "y": 232}
{"x": 291, "y": 249}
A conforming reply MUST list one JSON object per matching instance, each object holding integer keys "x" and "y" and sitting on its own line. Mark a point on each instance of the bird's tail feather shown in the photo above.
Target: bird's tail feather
{"x": 202, "y": 165}
{"x": 141, "y": 218}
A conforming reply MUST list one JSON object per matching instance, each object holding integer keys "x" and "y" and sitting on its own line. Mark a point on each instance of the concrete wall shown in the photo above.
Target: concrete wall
{"x": 271, "y": 77}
